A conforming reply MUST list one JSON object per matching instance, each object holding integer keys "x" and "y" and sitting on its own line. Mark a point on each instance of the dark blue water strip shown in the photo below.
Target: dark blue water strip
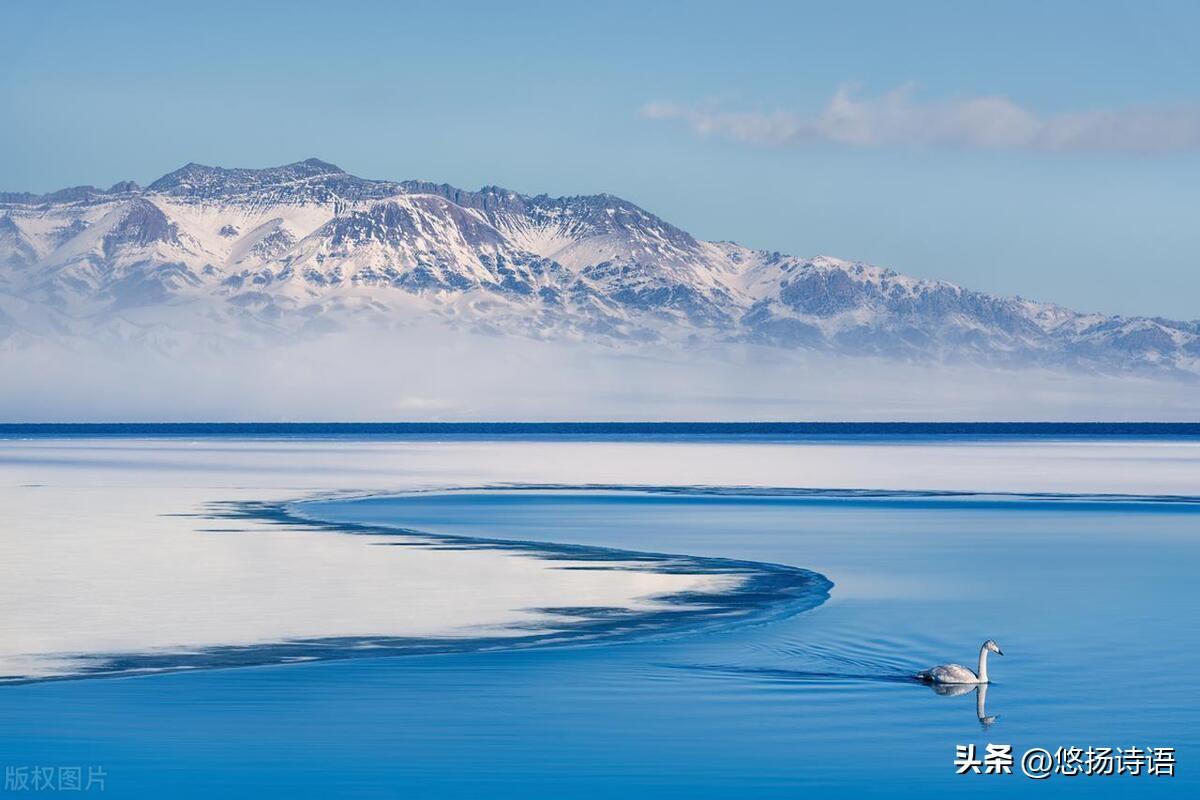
{"x": 607, "y": 430}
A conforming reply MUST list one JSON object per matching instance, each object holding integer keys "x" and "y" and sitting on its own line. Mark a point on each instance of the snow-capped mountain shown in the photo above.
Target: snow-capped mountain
{"x": 225, "y": 254}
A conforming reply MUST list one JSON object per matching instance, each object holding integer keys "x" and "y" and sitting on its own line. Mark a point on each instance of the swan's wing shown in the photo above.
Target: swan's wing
{"x": 949, "y": 673}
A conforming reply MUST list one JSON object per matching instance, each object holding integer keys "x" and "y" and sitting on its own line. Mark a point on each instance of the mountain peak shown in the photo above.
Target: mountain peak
{"x": 318, "y": 164}
{"x": 202, "y": 182}
{"x": 123, "y": 187}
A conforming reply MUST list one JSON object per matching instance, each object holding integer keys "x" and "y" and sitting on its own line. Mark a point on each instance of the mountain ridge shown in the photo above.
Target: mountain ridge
{"x": 305, "y": 248}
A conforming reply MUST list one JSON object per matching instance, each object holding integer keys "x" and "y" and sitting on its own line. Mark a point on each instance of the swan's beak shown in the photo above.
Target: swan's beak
{"x": 999, "y": 652}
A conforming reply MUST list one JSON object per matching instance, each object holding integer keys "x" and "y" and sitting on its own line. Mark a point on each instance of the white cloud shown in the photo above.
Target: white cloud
{"x": 899, "y": 119}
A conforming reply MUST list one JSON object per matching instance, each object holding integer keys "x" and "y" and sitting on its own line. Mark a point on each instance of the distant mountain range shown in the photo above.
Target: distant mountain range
{"x": 221, "y": 255}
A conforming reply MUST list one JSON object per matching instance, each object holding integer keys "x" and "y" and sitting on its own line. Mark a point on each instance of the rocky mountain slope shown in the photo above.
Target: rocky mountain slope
{"x": 220, "y": 255}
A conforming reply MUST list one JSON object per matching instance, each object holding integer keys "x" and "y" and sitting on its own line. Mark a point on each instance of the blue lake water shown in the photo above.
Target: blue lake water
{"x": 1094, "y": 601}
{"x": 601, "y": 431}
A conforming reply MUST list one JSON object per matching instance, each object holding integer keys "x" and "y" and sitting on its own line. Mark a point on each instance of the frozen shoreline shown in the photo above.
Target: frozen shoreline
{"x": 107, "y": 575}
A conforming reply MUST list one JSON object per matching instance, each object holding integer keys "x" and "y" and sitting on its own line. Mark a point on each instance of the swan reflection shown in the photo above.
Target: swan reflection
{"x": 980, "y": 690}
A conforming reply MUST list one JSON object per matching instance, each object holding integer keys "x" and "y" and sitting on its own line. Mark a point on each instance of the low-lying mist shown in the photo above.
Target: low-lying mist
{"x": 438, "y": 375}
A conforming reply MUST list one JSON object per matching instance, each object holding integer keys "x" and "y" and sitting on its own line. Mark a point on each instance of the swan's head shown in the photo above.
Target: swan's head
{"x": 990, "y": 644}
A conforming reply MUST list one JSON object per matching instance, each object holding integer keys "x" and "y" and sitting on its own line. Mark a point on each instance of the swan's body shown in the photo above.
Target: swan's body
{"x": 950, "y": 673}
{"x": 957, "y": 673}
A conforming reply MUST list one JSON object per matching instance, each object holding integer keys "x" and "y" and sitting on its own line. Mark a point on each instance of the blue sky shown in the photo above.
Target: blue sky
{"x": 1050, "y": 150}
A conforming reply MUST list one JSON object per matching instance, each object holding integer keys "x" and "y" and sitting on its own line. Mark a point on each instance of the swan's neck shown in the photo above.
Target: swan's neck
{"x": 983, "y": 654}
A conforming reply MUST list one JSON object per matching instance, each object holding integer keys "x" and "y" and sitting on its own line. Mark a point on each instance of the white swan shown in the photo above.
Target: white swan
{"x": 957, "y": 673}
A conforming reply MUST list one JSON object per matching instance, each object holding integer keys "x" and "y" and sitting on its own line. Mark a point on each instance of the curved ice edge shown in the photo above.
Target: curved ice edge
{"x": 815, "y": 493}
{"x": 766, "y": 591}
